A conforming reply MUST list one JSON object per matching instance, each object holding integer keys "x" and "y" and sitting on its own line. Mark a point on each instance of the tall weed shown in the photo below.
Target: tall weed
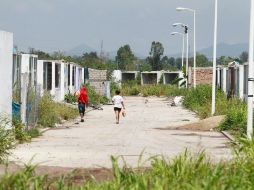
{"x": 7, "y": 138}
{"x": 52, "y": 112}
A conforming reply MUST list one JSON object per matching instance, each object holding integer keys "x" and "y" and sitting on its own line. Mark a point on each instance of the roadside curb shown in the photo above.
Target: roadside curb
{"x": 227, "y": 135}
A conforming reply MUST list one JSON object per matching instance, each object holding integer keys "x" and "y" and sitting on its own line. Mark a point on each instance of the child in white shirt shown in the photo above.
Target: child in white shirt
{"x": 118, "y": 105}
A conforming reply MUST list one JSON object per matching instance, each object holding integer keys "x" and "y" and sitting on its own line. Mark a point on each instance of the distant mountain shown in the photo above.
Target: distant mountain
{"x": 223, "y": 49}
{"x": 112, "y": 55}
{"x": 80, "y": 49}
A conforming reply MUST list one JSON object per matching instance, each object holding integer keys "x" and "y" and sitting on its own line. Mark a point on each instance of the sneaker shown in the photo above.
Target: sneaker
{"x": 82, "y": 120}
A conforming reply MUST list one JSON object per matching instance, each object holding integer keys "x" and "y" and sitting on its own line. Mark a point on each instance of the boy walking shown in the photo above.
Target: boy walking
{"x": 118, "y": 105}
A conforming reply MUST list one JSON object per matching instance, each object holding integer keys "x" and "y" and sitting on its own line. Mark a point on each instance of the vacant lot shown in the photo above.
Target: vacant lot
{"x": 90, "y": 144}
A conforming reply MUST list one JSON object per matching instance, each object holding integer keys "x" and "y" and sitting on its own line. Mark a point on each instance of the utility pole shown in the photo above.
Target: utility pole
{"x": 251, "y": 75}
{"x": 214, "y": 57}
{"x": 187, "y": 54}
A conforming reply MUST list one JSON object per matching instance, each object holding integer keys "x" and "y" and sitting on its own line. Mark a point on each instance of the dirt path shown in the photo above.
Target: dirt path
{"x": 90, "y": 144}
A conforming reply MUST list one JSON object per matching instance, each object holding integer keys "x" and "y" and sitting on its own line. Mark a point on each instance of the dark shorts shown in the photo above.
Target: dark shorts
{"x": 117, "y": 109}
{"x": 82, "y": 108}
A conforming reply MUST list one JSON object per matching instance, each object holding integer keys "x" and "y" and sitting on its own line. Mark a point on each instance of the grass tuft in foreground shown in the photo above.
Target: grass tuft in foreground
{"x": 186, "y": 171}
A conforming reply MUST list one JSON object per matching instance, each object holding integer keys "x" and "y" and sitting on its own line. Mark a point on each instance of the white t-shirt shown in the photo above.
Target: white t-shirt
{"x": 117, "y": 101}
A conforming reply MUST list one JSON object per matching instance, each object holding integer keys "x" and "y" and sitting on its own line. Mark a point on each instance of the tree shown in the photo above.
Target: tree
{"x": 202, "y": 61}
{"x": 223, "y": 60}
{"x": 41, "y": 54}
{"x": 244, "y": 57}
{"x": 178, "y": 63}
{"x": 156, "y": 53}
{"x": 125, "y": 57}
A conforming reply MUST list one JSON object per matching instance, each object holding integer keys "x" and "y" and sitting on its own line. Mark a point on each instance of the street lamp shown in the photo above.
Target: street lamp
{"x": 194, "y": 39}
{"x": 251, "y": 74}
{"x": 214, "y": 57}
{"x": 186, "y": 28}
{"x": 178, "y": 33}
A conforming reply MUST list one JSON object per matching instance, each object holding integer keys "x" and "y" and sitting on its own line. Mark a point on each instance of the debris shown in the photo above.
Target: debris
{"x": 178, "y": 100}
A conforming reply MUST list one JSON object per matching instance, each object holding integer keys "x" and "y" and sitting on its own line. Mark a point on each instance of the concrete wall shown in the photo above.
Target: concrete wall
{"x": 150, "y": 77}
{"x": 97, "y": 75}
{"x": 25, "y": 63}
{"x": 169, "y": 77}
{"x": 97, "y": 79}
{"x": 6, "y": 62}
{"x": 117, "y": 76}
{"x": 129, "y": 75}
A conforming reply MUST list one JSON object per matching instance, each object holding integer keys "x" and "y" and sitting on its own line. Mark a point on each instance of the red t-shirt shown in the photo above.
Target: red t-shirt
{"x": 83, "y": 98}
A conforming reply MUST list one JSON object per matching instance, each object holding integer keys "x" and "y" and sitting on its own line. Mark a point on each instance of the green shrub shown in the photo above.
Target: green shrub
{"x": 47, "y": 112}
{"x": 19, "y": 131}
{"x": 7, "y": 138}
{"x": 52, "y": 112}
{"x": 95, "y": 98}
{"x": 113, "y": 87}
{"x": 235, "y": 110}
{"x": 34, "y": 132}
{"x": 199, "y": 101}
{"x": 70, "y": 98}
{"x": 65, "y": 112}
{"x": 236, "y": 117}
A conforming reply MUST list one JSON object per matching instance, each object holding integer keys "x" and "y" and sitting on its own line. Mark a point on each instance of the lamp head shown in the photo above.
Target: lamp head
{"x": 180, "y": 9}
{"x": 174, "y": 33}
{"x": 177, "y": 24}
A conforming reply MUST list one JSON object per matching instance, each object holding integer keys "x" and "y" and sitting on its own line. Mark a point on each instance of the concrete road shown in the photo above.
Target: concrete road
{"x": 90, "y": 144}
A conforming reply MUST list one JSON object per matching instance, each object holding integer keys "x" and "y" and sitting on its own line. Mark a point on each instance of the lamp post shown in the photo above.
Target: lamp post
{"x": 194, "y": 40}
{"x": 214, "y": 57}
{"x": 251, "y": 74}
{"x": 186, "y": 28}
{"x": 178, "y": 33}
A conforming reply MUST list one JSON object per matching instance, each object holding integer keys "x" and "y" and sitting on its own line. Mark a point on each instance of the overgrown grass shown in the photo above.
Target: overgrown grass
{"x": 235, "y": 110}
{"x": 19, "y": 131}
{"x": 7, "y": 138}
{"x": 199, "y": 101}
{"x": 186, "y": 171}
{"x": 131, "y": 88}
{"x": 52, "y": 112}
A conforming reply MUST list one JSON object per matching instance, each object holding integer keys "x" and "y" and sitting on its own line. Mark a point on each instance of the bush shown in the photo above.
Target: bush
{"x": 70, "y": 98}
{"x": 34, "y": 132}
{"x": 95, "y": 98}
{"x": 7, "y": 139}
{"x": 235, "y": 110}
{"x": 236, "y": 117}
{"x": 199, "y": 101}
{"x": 19, "y": 131}
{"x": 131, "y": 88}
{"x": 52, "y": 112}
{"x": 48, "y": 116}
{"x": 65, "y": 112}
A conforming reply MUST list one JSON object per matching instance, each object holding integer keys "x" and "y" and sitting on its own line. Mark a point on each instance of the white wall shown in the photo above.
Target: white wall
{"x": 62, "y": 80}
{"x": 117, "y": 76}
{"x": 6, "y": 56}
{"x": 71, "y": 86}
{"x": 40, "y": 74}
{"x": 25, "y": 63}
{"x": 241, "y": 81}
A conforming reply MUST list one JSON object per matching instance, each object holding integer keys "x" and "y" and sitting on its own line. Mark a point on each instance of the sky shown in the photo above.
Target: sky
{"x": 60, "y": 25}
